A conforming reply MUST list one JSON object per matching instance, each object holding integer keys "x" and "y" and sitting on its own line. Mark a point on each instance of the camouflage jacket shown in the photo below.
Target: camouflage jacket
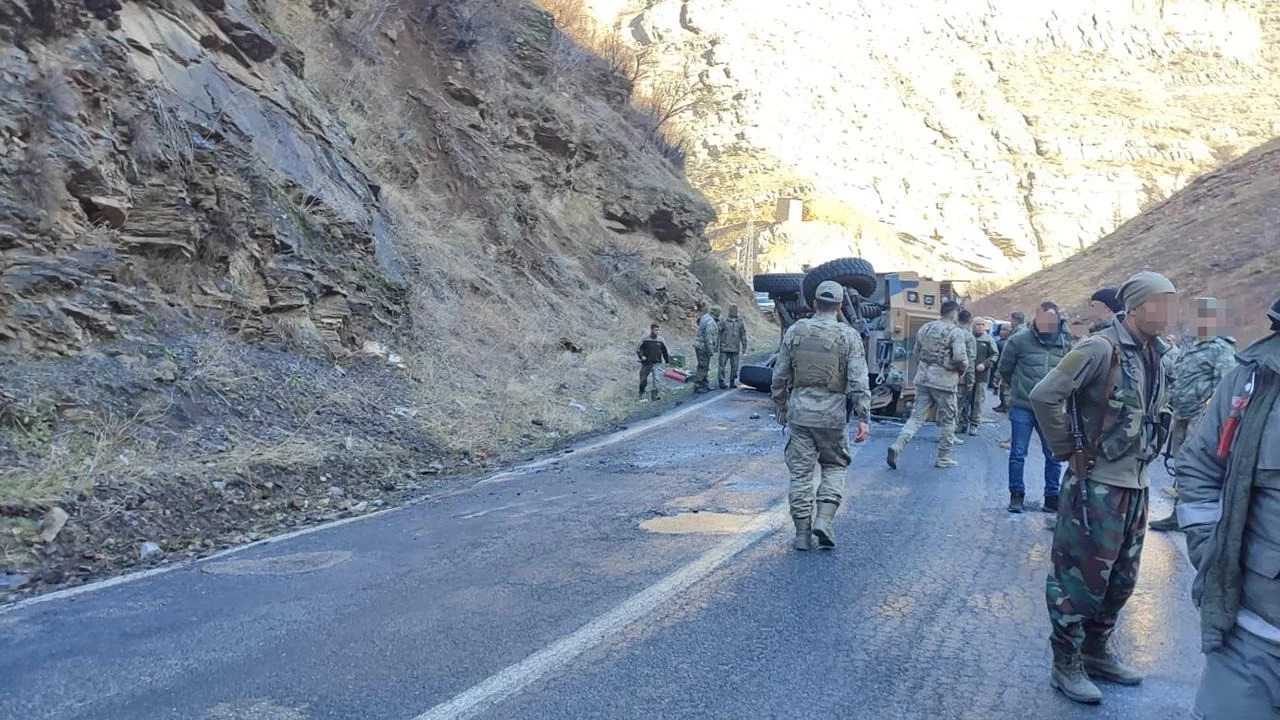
{"x": 810, "y": 399}
{"x": 943, "y": 353}
{"x": 708, "y": 334}
{"x": 1197, "y": 372}
{"x": 1124, "y": 417}
{"x": 733, "y": 335}
{"x": 971, "y": 354}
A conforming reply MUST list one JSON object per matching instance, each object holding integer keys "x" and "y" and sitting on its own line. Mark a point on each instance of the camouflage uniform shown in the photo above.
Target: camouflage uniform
{"x": 1102, "y": 518}
{"x": 704, "y": 346}
{"x": 944, "y": 356}
{"x": 820, "y": 366}
{"x": 1196, "y": 374}
{"x": 733, "y": 342}
{"x": 988, "y": 354}
{"x": 964, "y": 392}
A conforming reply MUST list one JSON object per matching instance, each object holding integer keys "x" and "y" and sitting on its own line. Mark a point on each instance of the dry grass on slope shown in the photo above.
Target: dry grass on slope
{"x": 1220, "y": 237}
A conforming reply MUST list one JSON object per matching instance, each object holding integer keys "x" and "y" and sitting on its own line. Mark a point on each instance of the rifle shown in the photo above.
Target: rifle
{"x": 1081, "y": 460}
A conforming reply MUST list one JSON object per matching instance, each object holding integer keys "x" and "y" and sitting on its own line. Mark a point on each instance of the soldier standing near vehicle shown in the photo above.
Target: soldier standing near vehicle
{"x": 943, "y": 362}
{"x": 985, "y": 359}
{"x": 964, "y": 392}
{"x": 1229, "y": 478}
{"x": 1027, "y": 358}
{"x": 1103, "y": 407}
{"x": 1196, "y": 374}
{"x": 733, "y": 342}
{"x": 821, "y": 371}
{"x": 653, "y": 354}
{"x": 704, "y": 346}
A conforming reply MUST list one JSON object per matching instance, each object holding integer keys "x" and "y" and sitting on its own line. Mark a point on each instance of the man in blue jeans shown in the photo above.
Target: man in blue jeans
{"x": 1029, "y": 355}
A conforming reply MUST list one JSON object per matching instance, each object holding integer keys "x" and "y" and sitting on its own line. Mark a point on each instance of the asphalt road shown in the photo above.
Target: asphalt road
{"x": 651, "y": 578}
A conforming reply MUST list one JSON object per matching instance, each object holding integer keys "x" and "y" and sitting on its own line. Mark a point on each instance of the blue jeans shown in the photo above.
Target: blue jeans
{"x": 1023, "y": 421}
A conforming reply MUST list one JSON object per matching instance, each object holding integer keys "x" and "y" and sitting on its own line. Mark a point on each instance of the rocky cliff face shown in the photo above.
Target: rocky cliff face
{"x": 974, "y": 138}
{"x": 266, "y": 262}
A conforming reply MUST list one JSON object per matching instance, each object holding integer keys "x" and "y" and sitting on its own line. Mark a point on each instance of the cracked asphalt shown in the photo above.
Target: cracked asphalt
{"x": 932, "y": 606}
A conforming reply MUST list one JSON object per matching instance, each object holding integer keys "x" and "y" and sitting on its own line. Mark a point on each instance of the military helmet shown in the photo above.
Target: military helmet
{"x": 830, "y": 291}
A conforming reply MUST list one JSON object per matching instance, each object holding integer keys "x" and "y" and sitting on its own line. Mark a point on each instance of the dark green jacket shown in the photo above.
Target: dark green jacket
{"x": 1027, "y": 358}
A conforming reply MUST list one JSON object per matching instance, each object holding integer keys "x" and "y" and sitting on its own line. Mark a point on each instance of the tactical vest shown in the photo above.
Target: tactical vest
{"x": 1130, "y": 429}
{"x": 818, "y": 357}
{"x": 935, "y": 346}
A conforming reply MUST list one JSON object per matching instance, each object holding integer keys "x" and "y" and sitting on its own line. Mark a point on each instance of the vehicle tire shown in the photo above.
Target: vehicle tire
{"x": 779, "y": 284}
{"x": 756, "y": 376}
{"x": 854, "y": 273}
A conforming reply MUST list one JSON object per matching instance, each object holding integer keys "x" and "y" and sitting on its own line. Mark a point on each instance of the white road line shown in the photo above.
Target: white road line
{"x": 517, "y": 677}
{"x": 500, "y": 477}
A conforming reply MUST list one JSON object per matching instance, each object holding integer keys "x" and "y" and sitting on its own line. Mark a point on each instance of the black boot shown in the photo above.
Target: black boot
{"x": 1015, "y": 502}
{"x": 1167, "y": 524}
{"x": 1051, "y": 504}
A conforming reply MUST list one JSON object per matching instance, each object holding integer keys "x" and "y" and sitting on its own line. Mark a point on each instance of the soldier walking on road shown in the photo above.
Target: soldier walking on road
{"x": 943, "y": 361}
{"x": 1027, "y": 358}
{"x": 1102, "y": 407}
{"x": 1196, "y": 374}
{"x": 964, "y": 392}
{"x": 733, "y": 342}
{"x": 704, "y": 346}
{"x": 653, "y": 354}
{"x": 1229, "y": 478}
{"x": 985, "y": 359}
{"x": 820, "y": 372}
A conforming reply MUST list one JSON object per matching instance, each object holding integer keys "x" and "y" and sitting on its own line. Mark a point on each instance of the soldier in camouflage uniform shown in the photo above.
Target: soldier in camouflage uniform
{"x": 1118, "y": 390}
{"x": 704, "y": 346}
{"x": 1196, "y": 374}
{"x": 821, "y": 370}
{"x": 964, "y": 392}
{"x": 985, "y": 359}
{"x": 943, "y": 355}
{"x": 733, "y": 342}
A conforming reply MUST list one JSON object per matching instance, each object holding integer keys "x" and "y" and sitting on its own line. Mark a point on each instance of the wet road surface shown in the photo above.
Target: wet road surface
{"x": 651, "y": 578}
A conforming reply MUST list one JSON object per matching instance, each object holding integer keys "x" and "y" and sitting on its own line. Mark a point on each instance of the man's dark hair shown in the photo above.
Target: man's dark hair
{"x": 1018, "y": 317}
{"x": 826, "y": 307}
{"x": 965, "y": 316}
{"x": 948, "y": 307}
{"x": 1046, "y": 306}
{"x": 653, "y": 326}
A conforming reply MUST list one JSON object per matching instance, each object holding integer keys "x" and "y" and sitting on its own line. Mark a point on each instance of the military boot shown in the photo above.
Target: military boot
{"x": 945, "y": 461}
{"x": 1167, "y": 524}
{"x": 973, "y": 431}
{"x": 1070, "y": 679}
{"x": 654, "y": 396}
{"x": 892, "y": 457}
{"x": 804, "y": 539}
{"x": 1102, "y": 664}
{"x": 1051, "y": 504}
{"x": 1015, "y": 502}
{"x": 958, "y": 441}
{"x": 822, "y": 525}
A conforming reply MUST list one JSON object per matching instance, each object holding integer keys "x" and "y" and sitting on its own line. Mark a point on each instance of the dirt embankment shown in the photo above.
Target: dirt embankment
{"x": 268, "y": 262}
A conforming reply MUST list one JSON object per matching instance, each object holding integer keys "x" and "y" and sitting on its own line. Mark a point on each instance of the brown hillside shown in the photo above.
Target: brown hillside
{"x": 1220, "y": 236}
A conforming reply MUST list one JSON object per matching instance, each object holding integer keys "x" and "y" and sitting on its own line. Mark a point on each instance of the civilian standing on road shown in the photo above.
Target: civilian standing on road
{"x": 964, "y": 394}
{"x": 733, "y": 342}
{"x": 943, "y": 361}
{"x": 1027, "y": 358}
{"x": 821, "y": 371}
{"x": 1112, "y": 430}
{"x": 704, "y": 346}
{"x": 1229, "y": 477}
{"x": 1196, "y": 374}
{"x": 1016, "y": 322}
{"x": 653, "y": 355}
{"x": 984, "y": 360}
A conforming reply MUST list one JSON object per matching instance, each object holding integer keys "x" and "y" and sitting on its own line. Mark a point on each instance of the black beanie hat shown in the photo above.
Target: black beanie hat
{"x": 1109, "y": 297}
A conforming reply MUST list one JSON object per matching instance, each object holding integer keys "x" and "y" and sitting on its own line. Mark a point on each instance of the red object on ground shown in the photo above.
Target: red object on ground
{"x": 676, "y": 375}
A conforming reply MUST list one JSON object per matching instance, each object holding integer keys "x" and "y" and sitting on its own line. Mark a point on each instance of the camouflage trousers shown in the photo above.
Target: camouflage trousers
{"x": 928, "y": 399}
{"x": 1094, "y": 568}
{"x": 703, "y": 373}
{"x": 731, "y": 360}
{"x": 969, "y": 414}
{"x": 826, "y": 448}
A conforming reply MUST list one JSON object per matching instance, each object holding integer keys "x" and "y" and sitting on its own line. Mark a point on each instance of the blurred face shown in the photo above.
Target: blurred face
{"x": 1207, "y": 322}
{"x": 980, "y": 328}
{"x": 1046, "y": 320}
{"x": 1004, "y": 332}
{"x": 1153, "y": 317}
{"x": 1099, "y": 311}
